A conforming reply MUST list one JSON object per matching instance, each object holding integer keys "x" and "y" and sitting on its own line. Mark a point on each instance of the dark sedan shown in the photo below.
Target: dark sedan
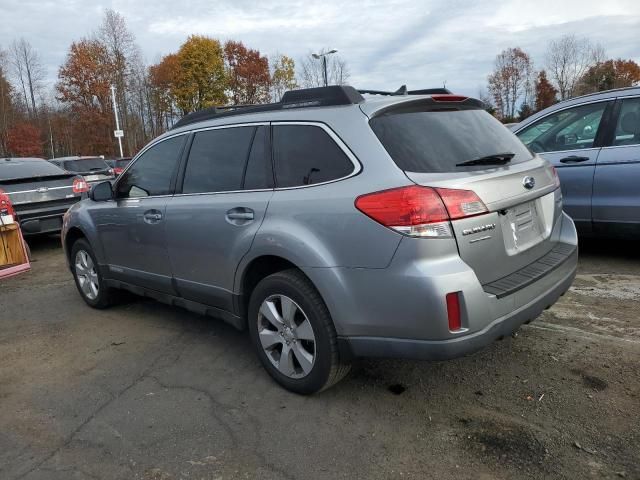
{"x": 40, "y": 192}
{"x": 93, "y": 169}
{"x": 118, "y": 164}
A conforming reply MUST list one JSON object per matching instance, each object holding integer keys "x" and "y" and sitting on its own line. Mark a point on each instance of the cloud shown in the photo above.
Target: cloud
{"x": 385, "y": 43}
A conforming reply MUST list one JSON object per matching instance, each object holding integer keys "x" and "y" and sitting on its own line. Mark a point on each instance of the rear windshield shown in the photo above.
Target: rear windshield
{"x": 12, "y": 169}
{"x": 435, "y": 141}
{"x": 85, "y": 165}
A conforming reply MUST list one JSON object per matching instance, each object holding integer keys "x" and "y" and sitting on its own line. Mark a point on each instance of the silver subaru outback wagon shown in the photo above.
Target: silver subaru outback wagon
{"x": 334, "y": 224}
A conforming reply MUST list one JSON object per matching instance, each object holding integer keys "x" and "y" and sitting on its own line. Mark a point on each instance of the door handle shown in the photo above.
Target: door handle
{"x": 152, "y": 216}
{"x": 574, "y": 159}
{"x": 240, "y": 215}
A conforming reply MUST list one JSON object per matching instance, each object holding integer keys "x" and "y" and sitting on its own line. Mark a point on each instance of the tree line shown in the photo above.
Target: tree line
{"x": 76, "y": 116}
{"x": 572, "y": 66}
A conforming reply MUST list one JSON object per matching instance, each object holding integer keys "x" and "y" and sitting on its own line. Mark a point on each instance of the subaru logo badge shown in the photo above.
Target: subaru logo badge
{"x": 528, "y": 182}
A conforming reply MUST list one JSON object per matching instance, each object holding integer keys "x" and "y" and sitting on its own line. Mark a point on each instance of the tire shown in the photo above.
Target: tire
{"x": 290, "y": 333}
{"x": 104, "y": 295}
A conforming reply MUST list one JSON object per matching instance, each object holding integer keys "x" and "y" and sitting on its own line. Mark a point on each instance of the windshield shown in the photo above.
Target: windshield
{"x": 438, "y": 140}
{"x": 15, "y": 169}
{"x": 85, "y": 165}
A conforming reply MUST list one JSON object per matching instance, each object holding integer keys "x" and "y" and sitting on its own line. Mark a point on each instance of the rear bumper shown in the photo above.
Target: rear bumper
{"x": 470, "y": 343}
{"x": 400, "y": 311}
{"x": 43, "y": 220}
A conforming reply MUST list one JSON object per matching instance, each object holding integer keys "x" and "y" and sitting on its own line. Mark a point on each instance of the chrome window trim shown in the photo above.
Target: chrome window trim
{"x": 352, "y": 158}
{"x": 357, "y": 166}
{"x": 36, "y": 190}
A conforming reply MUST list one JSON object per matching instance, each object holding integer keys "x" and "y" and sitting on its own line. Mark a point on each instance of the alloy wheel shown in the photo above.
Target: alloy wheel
{"x": 286, "y": 335}
{"x": 86, "y": 274}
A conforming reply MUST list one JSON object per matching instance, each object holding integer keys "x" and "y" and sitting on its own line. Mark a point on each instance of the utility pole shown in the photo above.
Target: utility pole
{"x": 323, "y": 55}
{"x": 118, "y": 133}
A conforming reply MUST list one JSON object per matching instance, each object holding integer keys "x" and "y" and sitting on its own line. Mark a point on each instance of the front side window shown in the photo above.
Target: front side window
{"x": 628, "y": 126}
{"x": 305, "y": 155}
{"x": 571, "y": 129}
{"x": 217, "y": 160}
{"x": 152, "y": 172}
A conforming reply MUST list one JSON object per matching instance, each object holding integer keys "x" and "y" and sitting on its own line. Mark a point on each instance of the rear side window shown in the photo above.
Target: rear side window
{"x": 217, "y": 160}
{"x": 628, "y": 127}
{"x": 306, "y": 154}
{"x": 436, "y": 141}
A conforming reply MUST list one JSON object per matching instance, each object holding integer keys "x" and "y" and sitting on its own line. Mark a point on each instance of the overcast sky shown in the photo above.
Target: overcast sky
{"x": 385, "y": 43}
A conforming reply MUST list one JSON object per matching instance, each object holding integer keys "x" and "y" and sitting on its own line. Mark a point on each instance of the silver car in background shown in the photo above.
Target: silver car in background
{"x": 333, "y": 226}
{"x": 594, "y": 142}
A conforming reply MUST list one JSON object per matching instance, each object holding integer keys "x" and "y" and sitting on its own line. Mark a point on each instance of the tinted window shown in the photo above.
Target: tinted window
{"x": 305, "y": 155}
{"x": 152, "y": 172}
{"x": 628, "y": 127}
{"x": 435, "y": 141}
{"x": 217, "y": 160}
{"x": 570, "y": 129}
{"x": 14, "y": 169}
{"x": 259, "y": 171}
{"x": 85, "y": 165}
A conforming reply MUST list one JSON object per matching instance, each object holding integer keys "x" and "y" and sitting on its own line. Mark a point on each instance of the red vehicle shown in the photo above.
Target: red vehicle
{"x": 14, "y": 258}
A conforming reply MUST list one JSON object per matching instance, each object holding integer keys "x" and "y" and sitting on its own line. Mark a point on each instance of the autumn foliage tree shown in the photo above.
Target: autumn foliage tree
{"x": 609, "y": 74}
{"x": 510, "y": 82}
{"x": 248, "y": 77}
{"x": 283, "y": 76}
{"x": 84, "y": 85}
{"x": 201, "y": 79}
{"x": 162, "y": 80}
{"x": 24, "y": 140}
{"x": 546, "y": 94}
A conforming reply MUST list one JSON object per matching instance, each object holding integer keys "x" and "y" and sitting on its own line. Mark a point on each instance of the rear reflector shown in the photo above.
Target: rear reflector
{"x": 80, "y": 185}
{"x": 448, "y": 98}
{"x": 420, "y": 211}
{"x": 453, "y": 311}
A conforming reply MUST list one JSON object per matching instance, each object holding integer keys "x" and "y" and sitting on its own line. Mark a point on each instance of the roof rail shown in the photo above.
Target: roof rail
{"x": 622, "y": 89}
{"x": 403, "y": 91}
{"x": 306, "y": 97}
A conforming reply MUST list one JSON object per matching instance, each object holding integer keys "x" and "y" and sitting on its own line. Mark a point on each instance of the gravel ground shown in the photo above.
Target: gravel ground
{"x": 147, "y": 391}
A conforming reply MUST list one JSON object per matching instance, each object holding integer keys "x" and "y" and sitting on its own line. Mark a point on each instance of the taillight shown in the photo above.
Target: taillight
{"x": 420, "y": 211}
{"x": 5, "y": 204}
{"x": 556, "y": 178}
{"x": 117, "y": 171}
{"x": 415, "y": 211}
{"x": 453, "y": 311}
{"x": 80, "y": 185}
{"x": 461, "y": 203}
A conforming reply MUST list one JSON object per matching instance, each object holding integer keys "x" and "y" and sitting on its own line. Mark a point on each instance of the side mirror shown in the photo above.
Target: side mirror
{"x": 101, "y": 192}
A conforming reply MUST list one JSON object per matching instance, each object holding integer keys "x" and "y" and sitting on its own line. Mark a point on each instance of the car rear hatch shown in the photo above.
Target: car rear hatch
{"x": 509, "y": 205}
{"x": 38, "y": 189}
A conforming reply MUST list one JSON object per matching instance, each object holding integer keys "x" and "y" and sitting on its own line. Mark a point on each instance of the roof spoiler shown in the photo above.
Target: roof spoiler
{"x": 404, "y": 91}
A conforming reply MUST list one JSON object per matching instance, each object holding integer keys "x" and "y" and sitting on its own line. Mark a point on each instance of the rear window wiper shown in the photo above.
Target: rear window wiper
{"x": 495, "y": 159}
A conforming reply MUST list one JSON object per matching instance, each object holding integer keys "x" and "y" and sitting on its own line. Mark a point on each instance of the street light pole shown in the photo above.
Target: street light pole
{"x": 323, "y": 56}
{"x": 115, "y": 113}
